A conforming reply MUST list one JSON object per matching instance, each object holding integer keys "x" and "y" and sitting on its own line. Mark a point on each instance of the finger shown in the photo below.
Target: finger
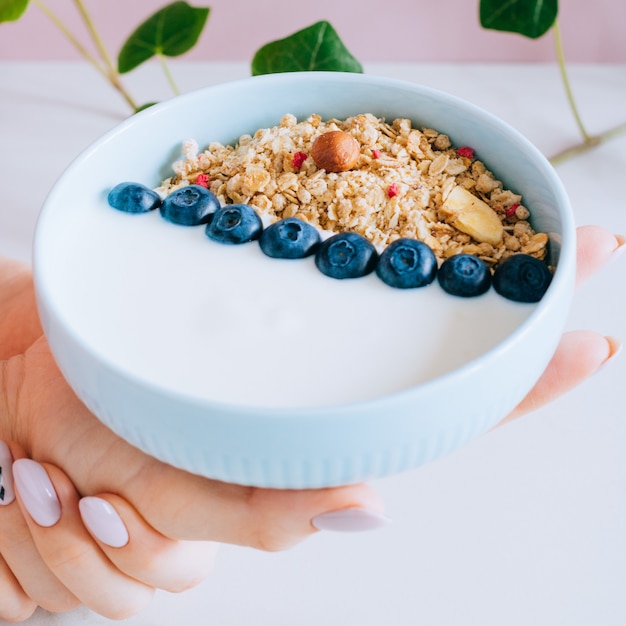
{"x": 579, "y": 355}
{"x": 18, "y": 548}
{"x": 18, "y": 312}
{"x": 140, "y": 551}
{"x": 595, "y": 247}
{"x": 267, "y": 519}
{"x": 49, "y": 503}
{"x": 15, "y": 605}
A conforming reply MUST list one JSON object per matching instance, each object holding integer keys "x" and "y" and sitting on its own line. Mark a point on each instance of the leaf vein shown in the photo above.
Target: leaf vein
{"x": 503, "y": 8}
{"x": 317, "y": 46}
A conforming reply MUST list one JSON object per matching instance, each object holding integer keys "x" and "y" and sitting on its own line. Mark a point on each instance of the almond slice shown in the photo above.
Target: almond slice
{"x": 463, "y": 210}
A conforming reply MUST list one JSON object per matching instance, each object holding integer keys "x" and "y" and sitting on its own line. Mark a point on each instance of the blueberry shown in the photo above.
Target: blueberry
{"x": 522, "y": 278}
{"x": 407, "y": 263}
{"x": 235, "y": 223}
{"x": 290, "y": 238}
{"x": 346, "y": 255}
{"x": 189, "y": 206}
{"x": 133, "y": 198}
{"x": 464, "y": 275}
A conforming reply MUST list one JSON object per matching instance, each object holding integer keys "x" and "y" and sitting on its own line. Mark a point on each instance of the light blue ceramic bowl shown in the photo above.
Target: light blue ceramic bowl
{"x": 301, "y": 448}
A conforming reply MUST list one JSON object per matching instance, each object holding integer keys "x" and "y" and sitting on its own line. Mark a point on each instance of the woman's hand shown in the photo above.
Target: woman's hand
{"x": 59, "y": 550}
{"x": 158, "y": 503}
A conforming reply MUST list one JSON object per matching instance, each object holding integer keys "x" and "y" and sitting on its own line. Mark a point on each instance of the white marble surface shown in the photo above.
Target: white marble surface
{"x": 526, "y": 525}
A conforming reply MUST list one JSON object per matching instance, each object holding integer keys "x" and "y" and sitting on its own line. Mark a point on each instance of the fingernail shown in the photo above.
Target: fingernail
{"x": 615, "y": 347}
{"x": 7, "y": 495}
{"x": 37, "y": 492}
{"x": 103, "y": 521}
{"x": 350, "y": 520}
{"x": 621, "y": 247}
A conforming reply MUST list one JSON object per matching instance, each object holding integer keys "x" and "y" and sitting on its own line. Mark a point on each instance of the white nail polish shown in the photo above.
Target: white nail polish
{"x": 350, "y": 520}
{"x": 37, "y": 492}
{"x": 7, "y": 494}
{"x": 103, "y": 522}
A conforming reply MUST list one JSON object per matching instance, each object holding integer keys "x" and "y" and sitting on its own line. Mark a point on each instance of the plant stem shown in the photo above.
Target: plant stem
{"x": 168, "y": 75}
{"x": 592, "y": 142}
{"x": 95, "y": 36}
{"x": 568, "y": 89}
{"x": 109, "y": 71}
{"x": 68, "y": 34}
{"x": 589, "y": 141}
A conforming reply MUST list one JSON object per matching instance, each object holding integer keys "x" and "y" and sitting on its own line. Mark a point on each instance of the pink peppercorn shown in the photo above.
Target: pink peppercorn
{"x": 510, "y": 212}
{"x": 376, "y": 154}
{"x": 393, "y": 190}
{"x": 202, "y": 180}
{"x": 465, "y": 151}
{"x": 298, "y": 159}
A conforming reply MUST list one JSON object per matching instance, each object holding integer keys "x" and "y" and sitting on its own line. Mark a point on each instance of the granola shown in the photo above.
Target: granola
{"x": 406, "y": 182}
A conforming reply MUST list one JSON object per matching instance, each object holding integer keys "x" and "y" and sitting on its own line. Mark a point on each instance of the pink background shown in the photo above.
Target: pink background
{"x": 374, "y": 30}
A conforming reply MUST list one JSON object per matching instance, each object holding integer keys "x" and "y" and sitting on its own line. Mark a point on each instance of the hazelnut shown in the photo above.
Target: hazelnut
{"x": 335, "y": 151}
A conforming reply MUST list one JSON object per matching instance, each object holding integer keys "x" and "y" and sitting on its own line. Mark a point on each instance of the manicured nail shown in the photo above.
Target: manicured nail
{"x": 615, "y": 347}
{"x": 7, "y": 495}
{"x": 350, "y": 520}
{"x": 103, "y": 522}
{"x": 37, "y": 492}
{"x": 621, "y": 247}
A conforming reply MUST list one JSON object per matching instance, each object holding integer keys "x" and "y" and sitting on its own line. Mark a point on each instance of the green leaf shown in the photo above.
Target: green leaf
{"x": 171, "y": 31}
{"x": 12, "y": 10}
{"x": 531, "y": 18}
{"x": 317, "y": 47}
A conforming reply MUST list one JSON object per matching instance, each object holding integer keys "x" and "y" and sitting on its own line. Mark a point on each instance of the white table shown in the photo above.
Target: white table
{"x": 526, "y": 526}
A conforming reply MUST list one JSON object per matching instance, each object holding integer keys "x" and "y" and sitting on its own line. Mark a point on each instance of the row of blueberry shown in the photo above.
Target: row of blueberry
{"x": 405, "y": 263}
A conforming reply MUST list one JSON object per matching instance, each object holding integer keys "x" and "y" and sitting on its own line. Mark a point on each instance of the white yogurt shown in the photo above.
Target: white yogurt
{"x": 226, "y": 323}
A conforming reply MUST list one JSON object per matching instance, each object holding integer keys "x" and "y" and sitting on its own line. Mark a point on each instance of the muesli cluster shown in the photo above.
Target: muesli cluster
{"x": 402, "y": 182}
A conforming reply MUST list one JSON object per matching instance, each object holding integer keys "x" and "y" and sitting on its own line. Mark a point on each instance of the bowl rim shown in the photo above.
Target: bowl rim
{"x": 560, "y": 284}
